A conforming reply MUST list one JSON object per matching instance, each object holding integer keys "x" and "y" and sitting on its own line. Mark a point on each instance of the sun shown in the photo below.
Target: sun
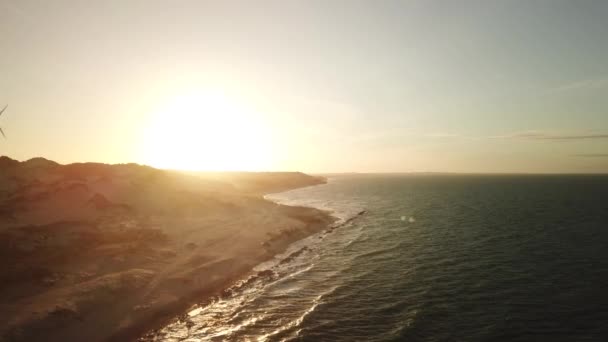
{"x": 207, "y": 131}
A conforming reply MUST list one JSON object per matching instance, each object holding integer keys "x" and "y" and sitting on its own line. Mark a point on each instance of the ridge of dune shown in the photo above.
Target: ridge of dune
{"x": 96, "y": 252}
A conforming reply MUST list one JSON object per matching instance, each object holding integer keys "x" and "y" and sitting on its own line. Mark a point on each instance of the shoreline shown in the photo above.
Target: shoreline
{"x": 145, "y": 330}
{"x": 242, "y": 283}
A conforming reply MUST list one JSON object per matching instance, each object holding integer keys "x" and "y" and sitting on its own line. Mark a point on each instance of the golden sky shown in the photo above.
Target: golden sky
{"x": 316, "y": 86}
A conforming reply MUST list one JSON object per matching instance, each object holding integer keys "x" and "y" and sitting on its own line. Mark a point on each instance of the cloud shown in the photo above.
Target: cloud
{"x": 443, "y": 135}
{"x": 538, "y": 135}
{"x": 531, "y": 135}
{"x": 591, "y": 155}
{"x": 592, "y": 83}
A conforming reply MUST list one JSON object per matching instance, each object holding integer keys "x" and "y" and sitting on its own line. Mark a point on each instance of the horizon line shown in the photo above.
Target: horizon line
{"x": 334, "y": 173}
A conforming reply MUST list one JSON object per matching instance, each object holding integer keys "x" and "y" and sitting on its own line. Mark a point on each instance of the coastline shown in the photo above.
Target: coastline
{"x": 110, "y": 252}
{"x": 267, "y": 272}
{"x": 147, "y": 328}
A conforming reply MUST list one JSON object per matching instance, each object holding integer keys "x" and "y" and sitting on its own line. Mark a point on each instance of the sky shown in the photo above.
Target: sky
{"x": 314, "y": 86}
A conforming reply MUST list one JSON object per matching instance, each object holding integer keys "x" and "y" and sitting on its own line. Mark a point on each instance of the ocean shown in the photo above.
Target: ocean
{"x": 430, "y": 258}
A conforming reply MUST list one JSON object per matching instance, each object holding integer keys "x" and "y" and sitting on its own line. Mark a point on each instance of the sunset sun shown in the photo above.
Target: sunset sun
{"x": 206, "y": 130}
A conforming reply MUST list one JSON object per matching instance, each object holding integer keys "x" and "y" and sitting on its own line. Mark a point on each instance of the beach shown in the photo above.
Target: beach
{"x": 109, "y": 252}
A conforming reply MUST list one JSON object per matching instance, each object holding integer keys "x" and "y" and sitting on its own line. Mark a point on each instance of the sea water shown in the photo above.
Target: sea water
{"x": 430, "y": 258}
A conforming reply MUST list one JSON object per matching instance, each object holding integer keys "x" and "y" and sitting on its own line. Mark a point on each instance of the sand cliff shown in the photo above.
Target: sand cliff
{"x": 104, "y": 252}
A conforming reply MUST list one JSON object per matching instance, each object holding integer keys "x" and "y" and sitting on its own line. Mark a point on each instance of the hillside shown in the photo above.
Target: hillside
{"x": 90, "y": 251}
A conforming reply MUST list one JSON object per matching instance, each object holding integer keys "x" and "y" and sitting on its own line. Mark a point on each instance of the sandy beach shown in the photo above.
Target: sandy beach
{"x": 96, "y": 252}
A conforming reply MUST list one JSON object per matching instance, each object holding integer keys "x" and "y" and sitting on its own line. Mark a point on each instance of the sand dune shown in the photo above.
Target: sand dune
{"x": 96, "y": 252}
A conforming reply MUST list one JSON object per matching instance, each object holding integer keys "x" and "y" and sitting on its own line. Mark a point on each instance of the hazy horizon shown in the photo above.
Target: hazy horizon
{"x": 311, "y": 86}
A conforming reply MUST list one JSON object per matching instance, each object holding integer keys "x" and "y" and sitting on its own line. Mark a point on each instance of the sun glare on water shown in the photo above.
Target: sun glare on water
{"x": 206, "y": 130}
